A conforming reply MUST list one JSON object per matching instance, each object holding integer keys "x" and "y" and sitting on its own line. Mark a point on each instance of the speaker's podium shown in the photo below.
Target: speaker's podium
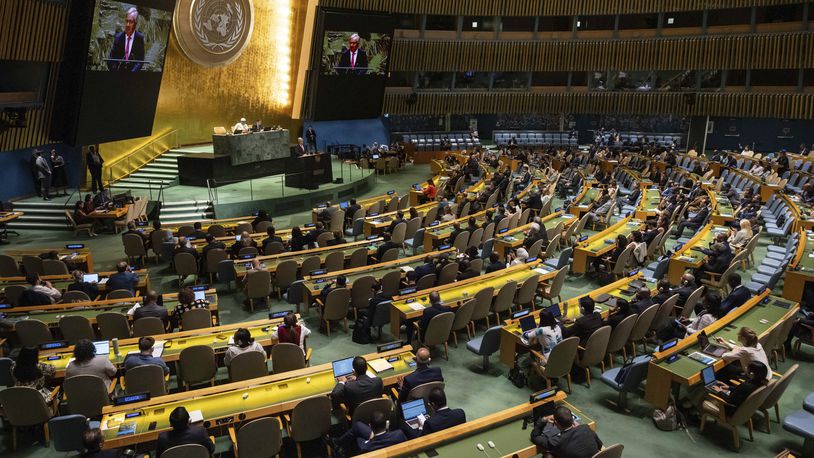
{"x": 308, "y": 171}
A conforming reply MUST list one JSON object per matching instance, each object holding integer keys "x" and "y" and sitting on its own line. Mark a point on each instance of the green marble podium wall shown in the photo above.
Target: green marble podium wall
{"x": 253, "y": 147}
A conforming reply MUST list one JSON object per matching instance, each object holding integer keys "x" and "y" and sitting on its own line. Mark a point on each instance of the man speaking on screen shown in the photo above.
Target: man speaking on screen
{"x": 128, "y": 46}
{"x": 353, "y": 60}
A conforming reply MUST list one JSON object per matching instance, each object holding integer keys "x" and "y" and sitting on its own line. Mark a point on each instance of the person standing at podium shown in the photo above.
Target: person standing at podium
{"x": 300, "y": 148}
{"x": 128, "y": 45}
{"x": 311, "y": 139}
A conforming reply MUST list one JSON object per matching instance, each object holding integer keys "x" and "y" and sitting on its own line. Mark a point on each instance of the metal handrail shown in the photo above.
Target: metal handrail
{"x": 141, "y": 156}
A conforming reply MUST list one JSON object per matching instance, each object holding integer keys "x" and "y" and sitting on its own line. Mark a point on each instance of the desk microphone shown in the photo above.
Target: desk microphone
{"x": 480, "y": 447}
{"x": 492, "y": 444}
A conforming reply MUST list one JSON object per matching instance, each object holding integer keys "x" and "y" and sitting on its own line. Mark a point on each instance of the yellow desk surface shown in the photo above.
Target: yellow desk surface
{"x": 453, "y": 294}
{"x": 511, "y": 331}
{"x": 687, "y": 257}
{"x": 515, "y": 237}
{"x": 761, "y": 313}
{"x": 263, "y": 331}
{"x": 378, "y": 223}
{"x": 722, "y": 211}
{"x": 649, "y": 205}
{"x": 364, "y": 203}
{"x": 9, "y": 216}
{"x": 51, "y": 314}
{"x": 503, "y": 428}
{"x": 314, "y": 284}
{"x": 801, "y": 269}
{"x": 61, "y": 282}
{"x": 602, "y": 242}
{"x": 235, "y": 402}
{"x": 270, "y": 262}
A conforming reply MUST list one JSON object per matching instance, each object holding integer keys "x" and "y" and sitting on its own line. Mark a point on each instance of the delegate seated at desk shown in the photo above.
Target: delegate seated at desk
{"x": 442, "y": 418}
{"x": 561, "y": 436}
{"x": 124, "y": 278}
{"x": 358, "y": 388}
{"x": 183, "y": 433}
{"x": 423, "y": 374}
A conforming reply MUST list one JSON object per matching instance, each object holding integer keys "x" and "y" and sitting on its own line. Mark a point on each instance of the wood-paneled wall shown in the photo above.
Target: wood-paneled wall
{"x": 542, "y": 7}
{"x": 33, "y": 30}
{"x": 758, "y": 105}
{"x": 757, "y": 51}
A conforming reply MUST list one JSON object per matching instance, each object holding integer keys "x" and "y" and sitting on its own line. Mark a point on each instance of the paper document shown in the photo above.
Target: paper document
{"x": 195, "y": 416}
{"x": 416, "y": 306}
{"x": 380, "y": 365}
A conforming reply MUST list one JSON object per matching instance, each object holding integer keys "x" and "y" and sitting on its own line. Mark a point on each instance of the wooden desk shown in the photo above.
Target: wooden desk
{"x": 271, "y": 262}
{"x": 722, "y": 211}
{"x": 514, "y": 238}
{"x": 232, "y": 403}
{"x": 510, "y": 334}
{"x": 503, "y": 428}
{"x": 314, "y": 284}
{"x": 113, "y": 213}
{"x": 364, "y": 203}
{"x": 412, "y": 306}
{"x": 61, "y": 282}
{"x": 759, "y": 316}
{"x": 79, "y": 258}
{"x": 801, "y": 269}
{"x": 603, "y": 242}
{"x": 688, "y": 258}
{"x": 435, "y": 235}
{"x": 217, "y": 337}
{"x": 376, "y": 224}
{"x": 585, "y": 201}
{"x": 649, "y": 205}
{"x": 51, "y": 314}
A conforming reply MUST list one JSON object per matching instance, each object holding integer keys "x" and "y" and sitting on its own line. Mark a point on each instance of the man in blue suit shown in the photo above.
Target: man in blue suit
{"x": 128, "y": 45}
{"x": 738, "y": 295}
{"x": 425, "y": 269}
{"x": 444, "y": 417}
{"x": 124, "y": 278}
{"x": 372, "y": 437}
{"x": 422, "y": 374}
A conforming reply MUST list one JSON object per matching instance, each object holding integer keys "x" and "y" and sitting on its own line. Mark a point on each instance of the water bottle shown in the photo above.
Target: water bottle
{"x": 115, "y": 346}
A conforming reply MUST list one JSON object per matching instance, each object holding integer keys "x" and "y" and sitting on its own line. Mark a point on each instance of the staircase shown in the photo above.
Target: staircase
{"x": 40, "y": 214}
{"x": 187, "y": 210}
{"x": 160, "y": 172}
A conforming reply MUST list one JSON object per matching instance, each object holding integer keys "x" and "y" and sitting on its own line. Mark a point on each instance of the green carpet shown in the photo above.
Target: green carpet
{"x": 467, "y": 387}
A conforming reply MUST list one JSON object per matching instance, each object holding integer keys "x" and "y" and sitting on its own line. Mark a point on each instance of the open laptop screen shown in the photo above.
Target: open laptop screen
{"x": 343, "y": 367}
{"x": 413, "y": 409}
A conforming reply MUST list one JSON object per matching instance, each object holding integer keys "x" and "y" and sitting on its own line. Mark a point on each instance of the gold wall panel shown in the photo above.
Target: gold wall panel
{"x": 193, "y": 99}
{"x": 542, "y": 7}
{"x": 797, "y": 106}
{"x": 31, "y": 30}
{"x": 786, "y": 50}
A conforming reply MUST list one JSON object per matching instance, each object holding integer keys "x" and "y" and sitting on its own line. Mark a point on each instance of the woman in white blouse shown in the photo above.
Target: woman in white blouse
{"x": 740, "y": 237}
{"x": 242, "y": 342}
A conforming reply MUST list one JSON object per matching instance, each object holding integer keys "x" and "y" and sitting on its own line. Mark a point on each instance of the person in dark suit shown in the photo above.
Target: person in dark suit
{"x": 94, "y": 161}
{"x": 423, "y": 373}
{"x": 693, "y": 223}
{"x": 664, "y": 293}
{"x": 443, "y": 418}
{"x": 270, "y": 237}
{"x": 425, "y": 269}
{"x": 128, "y": 45}
{"x": 353, "y": 60}
{"x": 93, "y": 440}
{"x": 684, "y": 290}
{"x": 585, "y": 325}
{"x": 199, "y": 233}
{"x": 358, "y": 388}
{"x": 621, "y": 311}
{"x": 388, "y": 244}
{"x": 367, "y": 438}
{"x": 631, "y": 198}
{"x": 495, "y": 263}
{"x": 436, "y": 308}
{"x": 79, "y": 284}
{"x": 211, "y": 244}
{"x": 124, "y": 278}
{"x": 561, "y": 436}
{"x": 183, "y": 433}
{"x": 152, "y": 309}
{"x": 466, "y": 271}
{"x": 299, "y": 148}
{"x": 396, "y": 221}
{"x": 185, "y": 246}
{"x": 311, "y": 139}
{"x": 353, "y": 207}
{"x": 738, "y": 294}
{"x": 643, "y": 300}
{"x": 717, "y": 262}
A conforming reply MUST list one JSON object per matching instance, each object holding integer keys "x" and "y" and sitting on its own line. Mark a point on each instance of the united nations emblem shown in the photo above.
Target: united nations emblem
{"x": 213, "y": 32}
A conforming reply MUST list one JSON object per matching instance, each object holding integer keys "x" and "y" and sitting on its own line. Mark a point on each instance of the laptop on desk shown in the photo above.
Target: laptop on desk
{"x": 342, "y": 367}
{"x": 411, "y": 410}
{"x": 708, "y": 378}
{"x": 709, "y": 348}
